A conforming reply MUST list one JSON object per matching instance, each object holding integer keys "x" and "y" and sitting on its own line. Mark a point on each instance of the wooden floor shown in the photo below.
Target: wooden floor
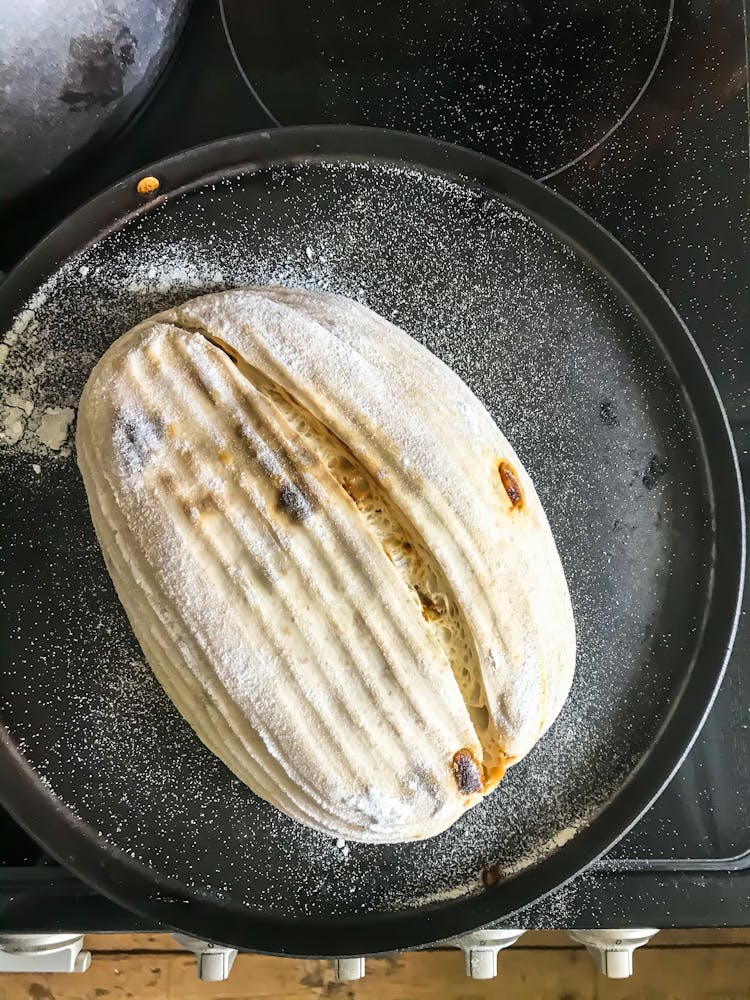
{"x": 678, "y": 965}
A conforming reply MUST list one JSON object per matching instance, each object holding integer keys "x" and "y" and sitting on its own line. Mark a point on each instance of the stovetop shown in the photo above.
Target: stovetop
{"x": 643, "y": 122}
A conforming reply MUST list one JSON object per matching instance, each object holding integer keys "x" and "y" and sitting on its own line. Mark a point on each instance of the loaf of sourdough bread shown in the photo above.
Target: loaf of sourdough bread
{"x": 333, "y": 560}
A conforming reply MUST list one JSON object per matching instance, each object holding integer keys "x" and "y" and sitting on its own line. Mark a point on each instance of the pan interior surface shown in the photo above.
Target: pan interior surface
{"x": 576, "y": 381}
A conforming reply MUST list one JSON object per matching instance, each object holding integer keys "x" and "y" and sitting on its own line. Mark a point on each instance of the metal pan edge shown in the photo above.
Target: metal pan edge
{"x": 115, "y": 874}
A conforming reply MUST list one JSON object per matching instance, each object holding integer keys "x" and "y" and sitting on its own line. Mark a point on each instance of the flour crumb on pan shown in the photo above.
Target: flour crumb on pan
{"x": 333, "y": 560}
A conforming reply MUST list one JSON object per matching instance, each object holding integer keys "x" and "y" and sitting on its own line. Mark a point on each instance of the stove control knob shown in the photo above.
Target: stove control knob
{"x": 612, "y": 950}
{"x": 43, "y": 953}
{"x": 214, "y": 961}
{"x": 481, "y": 949}
{"x": 346, "y": 970}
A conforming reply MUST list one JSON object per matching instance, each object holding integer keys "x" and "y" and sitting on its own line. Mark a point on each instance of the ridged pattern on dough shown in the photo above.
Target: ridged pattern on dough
{"x": 319, "y": 559}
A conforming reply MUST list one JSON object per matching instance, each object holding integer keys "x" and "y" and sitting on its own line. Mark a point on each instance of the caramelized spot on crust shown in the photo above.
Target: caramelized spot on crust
{"x": 467, "y": 772}
{"x": 430, "y": 612}
{"x": 172, "y": 430}
{"x": 167, "y": 481}
{"x": 491, "y": 875}
{"x": 194, "y": 509}
{"x": 493, "y": 776}
{"x": 225, "y": 458}
{"x": 204, "y": 504}
{"x": 510, "y": 483}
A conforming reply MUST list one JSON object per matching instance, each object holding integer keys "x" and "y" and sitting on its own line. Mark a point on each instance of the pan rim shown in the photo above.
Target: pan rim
{"x": 117, "y": 876}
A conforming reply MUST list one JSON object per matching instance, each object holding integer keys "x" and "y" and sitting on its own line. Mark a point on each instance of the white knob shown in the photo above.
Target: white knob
{"x": 481, "y": 949}
{"x": 612, "y": 950}
{"x": 346, "y": 970}
{"x": 481, "y": 963}
{"x": 43, "y": 953}
{"x": 82, "y": 961}
{"x": 616, "y": 963}
{"x": 215, "y": 964}
{"x": 214, "y": 960}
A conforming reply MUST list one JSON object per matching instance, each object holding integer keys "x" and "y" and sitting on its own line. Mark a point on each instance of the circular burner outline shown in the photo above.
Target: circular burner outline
{"x": 542, "y": 177}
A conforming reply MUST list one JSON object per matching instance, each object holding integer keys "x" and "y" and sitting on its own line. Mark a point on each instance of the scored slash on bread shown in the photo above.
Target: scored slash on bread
{"x": 333, "y": 560}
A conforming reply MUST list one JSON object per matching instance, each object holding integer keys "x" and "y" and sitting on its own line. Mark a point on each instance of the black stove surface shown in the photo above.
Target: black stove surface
{"x": 671, "y": 182}
{"x": 533, "y": 84}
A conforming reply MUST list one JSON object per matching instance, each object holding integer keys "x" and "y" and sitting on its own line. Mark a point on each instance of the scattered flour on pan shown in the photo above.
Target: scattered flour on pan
{"x": 541, "y": 851}
{"x": 54, "y": 425}
{"x": 537, "y": 337}
{"x": 31, "y": 417}
{"x": 538, "y": 853}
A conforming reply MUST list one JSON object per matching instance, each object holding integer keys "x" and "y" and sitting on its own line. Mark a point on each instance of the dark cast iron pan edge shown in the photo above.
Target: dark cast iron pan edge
{"x": 114, "y": 873}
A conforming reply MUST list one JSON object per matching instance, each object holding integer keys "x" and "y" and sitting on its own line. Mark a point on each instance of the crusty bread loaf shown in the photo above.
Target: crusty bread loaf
{"x": 333, "y": 560}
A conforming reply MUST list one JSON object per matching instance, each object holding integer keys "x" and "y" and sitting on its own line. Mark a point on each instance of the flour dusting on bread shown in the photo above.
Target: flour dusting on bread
{"x": 332, "y": 558}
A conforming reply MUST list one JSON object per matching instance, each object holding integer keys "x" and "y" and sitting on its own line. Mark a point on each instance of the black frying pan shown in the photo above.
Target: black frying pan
{"x": 592, "y": 376}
